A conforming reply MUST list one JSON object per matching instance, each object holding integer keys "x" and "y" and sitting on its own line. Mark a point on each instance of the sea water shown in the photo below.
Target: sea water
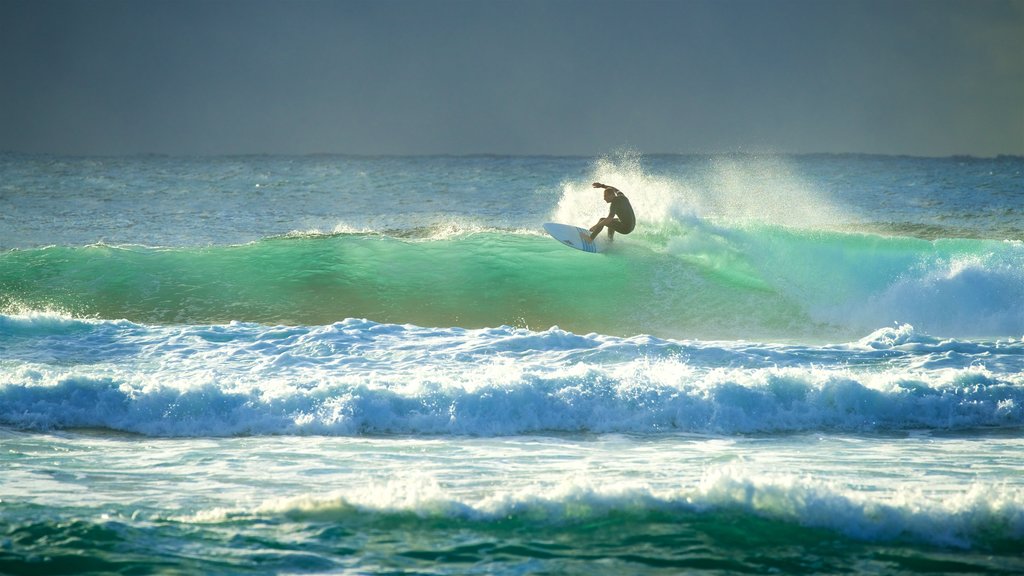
{"x": 382, "y": 365}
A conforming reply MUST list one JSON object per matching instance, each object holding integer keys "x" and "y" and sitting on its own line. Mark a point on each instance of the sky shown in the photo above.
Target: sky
{"x": 559, "y": 77}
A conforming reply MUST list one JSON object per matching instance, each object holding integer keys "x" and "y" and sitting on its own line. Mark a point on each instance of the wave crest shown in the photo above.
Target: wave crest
{"x": 359, "y": 377}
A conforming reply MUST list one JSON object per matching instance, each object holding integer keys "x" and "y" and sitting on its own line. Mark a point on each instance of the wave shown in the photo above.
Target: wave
{"x": 729, "y": 522}
{"x": 682, "y": 279}
{"x": 359, "y": 377}
{"x": 989, "y": 517}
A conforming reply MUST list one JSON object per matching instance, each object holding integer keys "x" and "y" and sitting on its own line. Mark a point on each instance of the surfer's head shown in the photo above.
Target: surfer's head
{"x": 609, "y": 195}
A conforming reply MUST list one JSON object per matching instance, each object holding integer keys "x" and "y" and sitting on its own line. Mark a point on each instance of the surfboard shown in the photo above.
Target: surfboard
{"x": 578, "y": 238}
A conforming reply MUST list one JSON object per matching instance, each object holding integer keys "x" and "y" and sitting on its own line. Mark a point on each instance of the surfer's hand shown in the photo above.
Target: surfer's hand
{"x": 598, "y": 185}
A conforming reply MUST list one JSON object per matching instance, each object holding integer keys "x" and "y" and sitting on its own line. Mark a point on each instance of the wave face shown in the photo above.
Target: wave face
{"x": 359, "y": 377}
{"x": 684, "y": 280}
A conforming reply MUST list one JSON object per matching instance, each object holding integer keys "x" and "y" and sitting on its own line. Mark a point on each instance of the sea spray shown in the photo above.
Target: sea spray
{"x": 747, "y": 189}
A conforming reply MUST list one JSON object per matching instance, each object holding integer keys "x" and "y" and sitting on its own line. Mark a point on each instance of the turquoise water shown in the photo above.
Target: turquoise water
{"x": 694, "y": 280}
{"x": 808, "y": 364}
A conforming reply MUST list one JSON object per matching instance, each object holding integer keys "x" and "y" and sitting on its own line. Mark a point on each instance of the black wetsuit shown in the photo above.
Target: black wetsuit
{"x": 623, "y": 212}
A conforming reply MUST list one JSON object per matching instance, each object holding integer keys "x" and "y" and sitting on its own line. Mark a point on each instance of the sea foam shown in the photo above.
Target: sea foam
{"x": 360, "y": 377}
{"x": 978, "y": 516}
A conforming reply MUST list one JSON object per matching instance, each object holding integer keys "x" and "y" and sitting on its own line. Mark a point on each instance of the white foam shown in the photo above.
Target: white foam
{"x": 359, "y": 377}
{"x": 960, "y": 516}
{"x": 947, "y": 519}
{"x": 967, "y": 295}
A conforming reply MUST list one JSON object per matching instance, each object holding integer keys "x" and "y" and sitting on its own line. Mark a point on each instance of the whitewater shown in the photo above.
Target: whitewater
{"x": 380, "y": 365}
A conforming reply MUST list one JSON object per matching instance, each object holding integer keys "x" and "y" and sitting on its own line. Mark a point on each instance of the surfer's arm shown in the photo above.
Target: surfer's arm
{"x": 605, "y": 186}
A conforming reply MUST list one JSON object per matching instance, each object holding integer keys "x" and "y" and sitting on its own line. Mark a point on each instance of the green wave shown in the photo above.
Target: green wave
{"x": 692, "y": 280}
{"x": 628, "y": 540}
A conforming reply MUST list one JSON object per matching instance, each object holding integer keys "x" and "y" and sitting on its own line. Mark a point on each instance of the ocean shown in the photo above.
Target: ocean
{"x": 796, "y": 364}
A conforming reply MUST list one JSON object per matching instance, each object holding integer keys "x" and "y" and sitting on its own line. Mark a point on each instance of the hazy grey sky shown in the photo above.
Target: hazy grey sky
{"x": 933, "y": 77}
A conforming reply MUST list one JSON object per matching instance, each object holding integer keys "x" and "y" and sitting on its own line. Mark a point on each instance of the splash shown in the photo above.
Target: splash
{"x": 728, "y": 190}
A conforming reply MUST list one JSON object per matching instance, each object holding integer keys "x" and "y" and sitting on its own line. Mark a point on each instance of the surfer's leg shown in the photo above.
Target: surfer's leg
{"x": 613, "y": 227}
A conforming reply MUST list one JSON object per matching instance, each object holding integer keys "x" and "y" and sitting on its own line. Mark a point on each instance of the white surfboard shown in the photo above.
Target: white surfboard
{"x": 578, "y": 238}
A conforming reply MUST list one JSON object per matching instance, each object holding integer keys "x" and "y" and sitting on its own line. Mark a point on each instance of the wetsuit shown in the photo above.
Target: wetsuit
{"x": 621, "y": 209}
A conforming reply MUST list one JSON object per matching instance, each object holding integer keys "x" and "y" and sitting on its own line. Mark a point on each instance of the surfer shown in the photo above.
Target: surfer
{"x": 619, "y": 219}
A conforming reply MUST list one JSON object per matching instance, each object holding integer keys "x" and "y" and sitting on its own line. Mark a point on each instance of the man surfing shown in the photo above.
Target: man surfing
{"x": 619, "y": 219}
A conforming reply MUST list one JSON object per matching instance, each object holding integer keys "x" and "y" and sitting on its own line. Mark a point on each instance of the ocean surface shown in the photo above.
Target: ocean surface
{"x": 382, "y": 365}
